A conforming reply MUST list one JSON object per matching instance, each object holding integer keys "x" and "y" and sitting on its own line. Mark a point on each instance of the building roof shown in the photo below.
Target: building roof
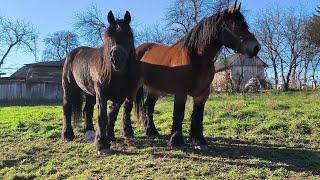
{"x": 28, "y": 69}
{"x": 48, "y": 63}
{"x": 238, "y": 60}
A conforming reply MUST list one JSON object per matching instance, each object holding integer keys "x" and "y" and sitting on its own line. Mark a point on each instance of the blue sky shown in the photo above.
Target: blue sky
{"x": 55, "y": 15}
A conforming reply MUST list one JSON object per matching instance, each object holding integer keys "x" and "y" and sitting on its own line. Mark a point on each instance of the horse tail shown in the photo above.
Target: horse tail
{"x": 77, "y": 102}
{"x": 72, "y": 92}
{"x": 138, "y": 103}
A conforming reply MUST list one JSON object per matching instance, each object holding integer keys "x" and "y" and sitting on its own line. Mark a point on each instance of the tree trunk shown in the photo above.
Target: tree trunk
{"x": 287, "y": 79}
{"x": 276, "y": 78}
{"x": 6, "y": 54}
{"x": 314, "y": 79}
{"x": 286, "y": 86}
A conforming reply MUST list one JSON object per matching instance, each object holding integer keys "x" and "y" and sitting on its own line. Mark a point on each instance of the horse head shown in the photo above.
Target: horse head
{"x": 118, "y": 41}
{"x": 235, "y": 34}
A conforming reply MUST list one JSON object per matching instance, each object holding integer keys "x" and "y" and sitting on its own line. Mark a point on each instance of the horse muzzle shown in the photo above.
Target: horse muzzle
{"x": 118, "y": 56}
{"x": 252, "y": 49}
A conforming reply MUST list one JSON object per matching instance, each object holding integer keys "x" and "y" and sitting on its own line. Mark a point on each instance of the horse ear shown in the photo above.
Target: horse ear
{"x": 111, "y": 18}
{"x": 235, "y": 6}
{"x": 127, "y": 17}
{"x": 239, "y": 7}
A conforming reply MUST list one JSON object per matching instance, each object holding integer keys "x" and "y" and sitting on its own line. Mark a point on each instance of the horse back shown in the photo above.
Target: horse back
{"x": 163, "y": 55}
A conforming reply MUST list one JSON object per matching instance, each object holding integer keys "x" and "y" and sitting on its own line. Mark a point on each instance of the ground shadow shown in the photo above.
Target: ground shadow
{"x": 292, "y": 159}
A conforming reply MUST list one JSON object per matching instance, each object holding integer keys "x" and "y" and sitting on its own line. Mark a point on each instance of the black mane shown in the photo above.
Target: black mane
{"x": 205, "y": 31}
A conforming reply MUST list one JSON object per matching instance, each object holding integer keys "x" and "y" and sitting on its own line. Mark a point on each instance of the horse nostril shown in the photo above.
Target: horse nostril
{"x": 257, "y": 48}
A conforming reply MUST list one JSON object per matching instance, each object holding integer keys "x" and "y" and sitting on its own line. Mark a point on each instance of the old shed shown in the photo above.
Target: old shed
{"x": 34, "y": 82}
{"x": 236, "y": 70}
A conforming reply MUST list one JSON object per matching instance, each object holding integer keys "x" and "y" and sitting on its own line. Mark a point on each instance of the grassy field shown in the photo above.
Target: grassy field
{"x": 266, "y": 135}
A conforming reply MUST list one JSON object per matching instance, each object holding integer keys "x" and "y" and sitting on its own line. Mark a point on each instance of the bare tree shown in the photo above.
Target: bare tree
{"x": 58, "y": 45}
{"x": 16, "y": 34}
{"x": 183, "y": 15}
{"x": 313, "y": 28}
{"x": 281, "y": 32}
{"x": 312, "y": 46}
{"x": 267, "y": 29}
{"x": 315, "y": 67}
{"x": 90, "y": 25}
{"x": 153, "y": 33}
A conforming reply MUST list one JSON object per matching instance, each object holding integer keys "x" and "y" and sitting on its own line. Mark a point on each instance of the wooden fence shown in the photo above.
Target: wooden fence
{"x": 13, "y": 90}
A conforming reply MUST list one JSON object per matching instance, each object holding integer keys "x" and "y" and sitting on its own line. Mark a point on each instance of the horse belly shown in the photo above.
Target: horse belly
{"x": 83, "y": 79}
{"x": 168, "y": 79}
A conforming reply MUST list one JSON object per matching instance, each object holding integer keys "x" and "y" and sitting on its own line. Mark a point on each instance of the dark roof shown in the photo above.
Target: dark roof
{"x": 238, "y": 60}
{"x": 48, "y": 63}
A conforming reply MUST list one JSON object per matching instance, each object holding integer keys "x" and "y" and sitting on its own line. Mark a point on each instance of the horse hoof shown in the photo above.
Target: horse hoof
{"x": 198, "y": 141}
{"x": 176, "y": 140}
{"x": 127, "y": 134}
{"x": 113, "y": 139}
{"x": 104, "y": 152}
{"x": 67, "y": 136}
{"x": 153, "y": 134}
{"x": 201, "y": 147}
{"x": 90, "y": 135}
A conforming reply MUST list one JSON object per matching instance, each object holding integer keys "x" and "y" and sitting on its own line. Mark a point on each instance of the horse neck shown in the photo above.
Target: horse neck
{"x": 206, "y": 53}
{"x": 203, "y": 63}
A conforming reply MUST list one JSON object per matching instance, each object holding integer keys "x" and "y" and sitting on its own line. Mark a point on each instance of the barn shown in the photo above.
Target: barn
{"x": 236, "y": 70}
{"x": 34, "y": 82}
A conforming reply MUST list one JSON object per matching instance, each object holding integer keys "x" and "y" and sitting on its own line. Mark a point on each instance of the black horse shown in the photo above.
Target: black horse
{"x": 103, "y": 74}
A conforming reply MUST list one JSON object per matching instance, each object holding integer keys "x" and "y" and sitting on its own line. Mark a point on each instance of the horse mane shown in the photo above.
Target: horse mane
{"x": 206, "y": 30}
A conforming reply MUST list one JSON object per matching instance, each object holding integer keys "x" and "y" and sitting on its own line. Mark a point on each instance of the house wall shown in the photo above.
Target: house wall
{"x": 11, "y": 90}
{"x": 236, "y": 77}
{"x": 241, "y": 74}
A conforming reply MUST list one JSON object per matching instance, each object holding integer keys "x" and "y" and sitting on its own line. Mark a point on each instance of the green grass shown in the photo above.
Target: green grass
{"x": 267, "y": 135}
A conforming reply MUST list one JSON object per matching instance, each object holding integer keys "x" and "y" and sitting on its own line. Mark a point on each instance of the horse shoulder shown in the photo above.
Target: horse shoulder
{"x": 98, "y": 65}
{"x": 179, "y": 56}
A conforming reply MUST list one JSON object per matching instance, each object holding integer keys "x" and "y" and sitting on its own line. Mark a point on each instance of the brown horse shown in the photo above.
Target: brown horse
{"x": 187, "y": 68}
{"x": 102, "y": 74}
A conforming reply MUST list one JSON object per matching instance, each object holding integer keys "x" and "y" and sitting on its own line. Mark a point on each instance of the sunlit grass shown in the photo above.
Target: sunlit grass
{"x": 265, "y": 135}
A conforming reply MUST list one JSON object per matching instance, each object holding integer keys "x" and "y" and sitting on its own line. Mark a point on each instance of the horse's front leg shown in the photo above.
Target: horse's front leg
{"x": 178, "y": 116}
{"x": 196, "y": 130}
{"x": 112, "y": 117}
{"x": 102, "y": 141}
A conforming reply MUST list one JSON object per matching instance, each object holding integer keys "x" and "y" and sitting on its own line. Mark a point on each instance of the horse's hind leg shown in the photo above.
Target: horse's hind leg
{"x": 68, "y": 96}
{"x": 149, "y": 126}
{"x": 88, "y": 114}
{"x": 126, "y": 127}
{"x": 112, "y": 117}
{"x": 67, "y": 131}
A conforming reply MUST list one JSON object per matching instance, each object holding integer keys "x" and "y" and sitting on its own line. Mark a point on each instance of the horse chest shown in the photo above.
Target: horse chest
{"x": 202, "y": 79}
{"x": 118, "y": 88}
